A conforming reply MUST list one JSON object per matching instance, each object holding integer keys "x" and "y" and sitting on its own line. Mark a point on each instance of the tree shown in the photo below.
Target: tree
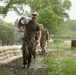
{"x": 6, "y": 33}
{"x": 68, "y": 29}
{"x": 47, "y": 19}
{"x": 71, "y": 25}
{"x": 51, "y": 12}
{"x": 56, "y": 10}
{"x": 12, "y": 5}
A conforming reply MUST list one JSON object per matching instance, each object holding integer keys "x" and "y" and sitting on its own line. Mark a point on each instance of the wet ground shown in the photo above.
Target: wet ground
{"x": 15, "y": 68}
{"x": 36, "y": 68}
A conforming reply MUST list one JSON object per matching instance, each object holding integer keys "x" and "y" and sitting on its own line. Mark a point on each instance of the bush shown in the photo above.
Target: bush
{"x": 58, "y": 41}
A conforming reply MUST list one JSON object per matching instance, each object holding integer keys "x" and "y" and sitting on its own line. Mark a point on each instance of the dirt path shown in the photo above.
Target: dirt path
{"x": 15, "y": 68}
{"x": 37, "y": 63}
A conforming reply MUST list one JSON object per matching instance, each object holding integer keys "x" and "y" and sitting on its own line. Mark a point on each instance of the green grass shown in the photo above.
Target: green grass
{"x": 60, "y": 65}
{"x": 62, "y": 46}
{"x": 3, "y": 71}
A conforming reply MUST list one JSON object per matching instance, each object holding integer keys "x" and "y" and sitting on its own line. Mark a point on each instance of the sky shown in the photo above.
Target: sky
{"x": 11, "y": 16}
{"x": 72, "y": 12}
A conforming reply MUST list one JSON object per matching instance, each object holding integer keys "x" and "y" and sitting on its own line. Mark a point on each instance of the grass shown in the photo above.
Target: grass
{"x": 3, "y": 71}
{"x": 53, "y": 65}
{"x": 60, "y": 65}
{"x": 59, "y": 45}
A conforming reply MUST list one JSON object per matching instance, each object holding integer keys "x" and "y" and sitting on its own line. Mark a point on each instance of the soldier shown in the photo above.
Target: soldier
{"x": 29, "y": 42}
{"x": 44, "y": 38}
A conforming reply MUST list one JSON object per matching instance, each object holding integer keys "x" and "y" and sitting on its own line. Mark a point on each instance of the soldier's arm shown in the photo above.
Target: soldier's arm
{"x": 39, "y": 37}
{"x": 47, "y": 36}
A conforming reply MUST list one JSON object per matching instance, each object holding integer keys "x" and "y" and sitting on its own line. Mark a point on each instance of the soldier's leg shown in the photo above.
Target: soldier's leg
{"x": 24, "y": 57}
{"x": 43, "y": 47}
{"x": 31, "y": 51}
{"x": 33, "y": 48}
{"x": 29, "y": 57}
{"x": 25, "y": 53}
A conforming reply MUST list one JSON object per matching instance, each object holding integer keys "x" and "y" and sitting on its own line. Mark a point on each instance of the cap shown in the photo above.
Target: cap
{"x": 41, "y": 26}
{"x": 34, "y": 14}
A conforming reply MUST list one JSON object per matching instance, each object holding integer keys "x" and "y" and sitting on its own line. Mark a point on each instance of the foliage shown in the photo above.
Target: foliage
{"x": 68, "y": 29}
{"x": 71, "y": 25}
{"x": 58, "y": 41}
{"x": 10, "y": 5}
{"x": 51, "y": 12}
{"x": 48, "y": 20}
{"x": 6, "y": 33}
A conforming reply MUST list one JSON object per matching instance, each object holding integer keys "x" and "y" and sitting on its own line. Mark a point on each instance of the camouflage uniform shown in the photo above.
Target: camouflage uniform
{"x": 28, "y": 48}
{"x": 44, "y": 38}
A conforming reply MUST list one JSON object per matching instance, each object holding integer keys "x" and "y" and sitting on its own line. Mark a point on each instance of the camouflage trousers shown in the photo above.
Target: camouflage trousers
{"x": 28, "y": 50}
{"x": 42, "y": 45}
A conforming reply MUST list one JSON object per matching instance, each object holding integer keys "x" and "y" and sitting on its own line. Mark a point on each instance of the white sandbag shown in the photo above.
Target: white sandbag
{"x": 25, "y": 20}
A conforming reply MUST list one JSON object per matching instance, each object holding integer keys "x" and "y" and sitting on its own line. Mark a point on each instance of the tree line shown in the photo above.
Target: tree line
{"x": 68, "y": 29}
{"x": 6, "y": 33}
